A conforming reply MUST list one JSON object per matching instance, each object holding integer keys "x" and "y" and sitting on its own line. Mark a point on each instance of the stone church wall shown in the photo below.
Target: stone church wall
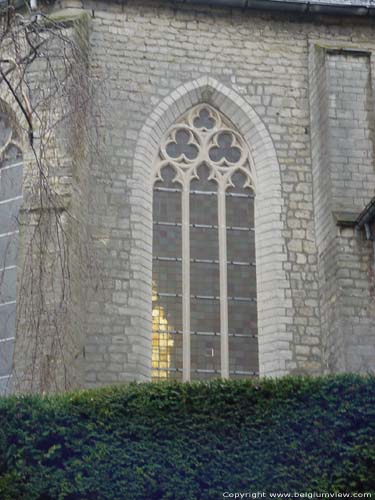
{"x": 307, "y": 83}
{"x": 343, "y": 174}
{"x": 146, "y": 51}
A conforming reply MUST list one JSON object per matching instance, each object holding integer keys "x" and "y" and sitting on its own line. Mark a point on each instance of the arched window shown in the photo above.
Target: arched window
{"x": 11, "y": 168}
{"x": 204, "y": 274}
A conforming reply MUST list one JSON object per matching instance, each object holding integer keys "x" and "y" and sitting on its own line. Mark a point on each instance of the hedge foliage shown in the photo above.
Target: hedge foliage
{"x": 191, "y": 441}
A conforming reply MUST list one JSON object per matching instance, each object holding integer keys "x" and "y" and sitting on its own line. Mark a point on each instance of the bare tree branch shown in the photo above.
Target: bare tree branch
{"x": 44, "y": 71}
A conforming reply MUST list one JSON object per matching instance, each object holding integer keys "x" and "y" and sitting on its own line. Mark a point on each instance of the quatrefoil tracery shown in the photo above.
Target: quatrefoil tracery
{"x": 204, "y": 137}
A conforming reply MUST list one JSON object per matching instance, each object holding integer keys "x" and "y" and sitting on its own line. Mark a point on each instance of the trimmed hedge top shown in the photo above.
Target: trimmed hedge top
{"x": 191, "y": 441}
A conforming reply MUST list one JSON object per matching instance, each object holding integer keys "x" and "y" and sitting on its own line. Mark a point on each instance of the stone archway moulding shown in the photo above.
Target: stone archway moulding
{"x": 274, "y": 340}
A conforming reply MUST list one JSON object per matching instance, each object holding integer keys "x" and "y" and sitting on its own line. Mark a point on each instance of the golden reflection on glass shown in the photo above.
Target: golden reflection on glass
{"x": 162, "y": 340}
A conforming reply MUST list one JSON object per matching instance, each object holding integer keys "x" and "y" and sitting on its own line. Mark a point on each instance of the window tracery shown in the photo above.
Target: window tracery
{"x": 204, "y": 292}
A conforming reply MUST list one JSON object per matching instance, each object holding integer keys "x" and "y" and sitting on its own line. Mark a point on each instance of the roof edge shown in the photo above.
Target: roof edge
{"x": 332, "y": 7}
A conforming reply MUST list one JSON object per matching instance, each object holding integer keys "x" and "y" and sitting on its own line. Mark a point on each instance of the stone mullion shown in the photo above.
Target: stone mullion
{"x": 186, "y": 356}
{"x": 224, "y": 342}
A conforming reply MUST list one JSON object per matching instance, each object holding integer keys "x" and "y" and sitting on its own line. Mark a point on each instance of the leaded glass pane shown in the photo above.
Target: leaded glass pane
{"x": 168, "y": 174}
{"x": 239, "y": 204}
{"x": 167, "y": 198}
{"x": 242, "y": 281}
{"x": 167, "y": 279}
{"x": 167, "y": 276}
{"x": 166, "y": 357}
{"x": 205, "y": 315}
{"x": 168, "y": 206}
{"x": 240, "y": 245}
{"x": 204, "y": 243}
{"x": 240, "y": 210}
{"x": 242, "y": 312}
{"x": 167, "y": 240}
{"x": 205, "y": 356}
{"x": 243, "y": 355}
{"x": 167, "y": 336}
{"x": 242, "y": 317}
{"x": 203, "y": 183}
{"x": 239, "y": 180}
{"x": 203, "y": 203}
{"x": 167, "y": 312}
{"x": 205, "y": 279}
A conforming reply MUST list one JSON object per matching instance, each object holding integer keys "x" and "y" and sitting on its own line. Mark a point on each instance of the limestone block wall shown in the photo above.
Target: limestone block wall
{"x": 343, "y": 173}
{"x": 297, "y": 106}
{"x": 351, "y": 128}
{"x": 324, "y": 220}
{"x": 357, "y": 305}
{"x": 149, "y": 52}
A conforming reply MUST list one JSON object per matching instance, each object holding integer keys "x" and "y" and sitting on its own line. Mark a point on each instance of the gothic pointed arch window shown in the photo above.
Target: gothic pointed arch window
{"x": 11, "y": 170}
{"x": 204, "y": 273}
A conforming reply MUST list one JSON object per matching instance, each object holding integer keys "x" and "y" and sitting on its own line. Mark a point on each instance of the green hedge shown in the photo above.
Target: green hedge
{"x": 191, "y": 441}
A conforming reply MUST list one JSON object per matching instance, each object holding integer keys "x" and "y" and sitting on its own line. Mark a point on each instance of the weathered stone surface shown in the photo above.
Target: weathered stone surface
{"x": 301, "y": 96}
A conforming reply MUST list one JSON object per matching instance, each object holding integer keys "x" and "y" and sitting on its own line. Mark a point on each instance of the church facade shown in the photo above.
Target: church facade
{"x": 230, "y": 203}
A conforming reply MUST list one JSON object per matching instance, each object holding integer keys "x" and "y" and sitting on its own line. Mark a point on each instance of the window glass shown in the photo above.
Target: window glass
{"x": 204, "y": 269}
{"x": 11, "y": 168}
{"x": 166, "y": 279}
